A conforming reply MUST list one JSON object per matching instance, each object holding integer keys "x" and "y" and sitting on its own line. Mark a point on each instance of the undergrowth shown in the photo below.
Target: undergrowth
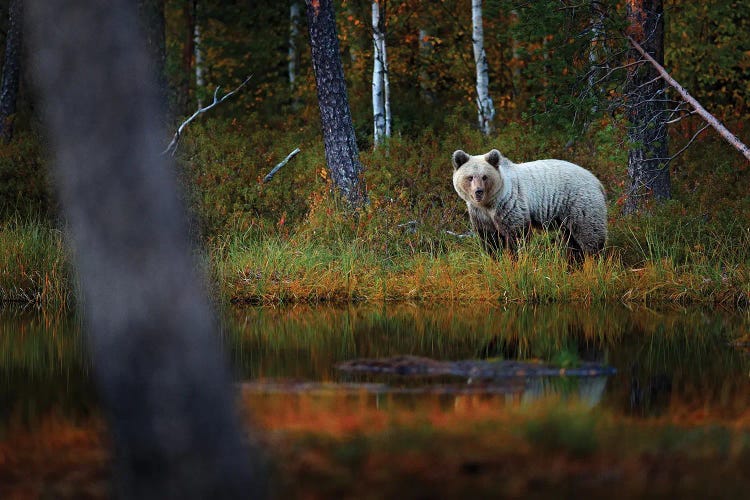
{"x": 289, "y": 240}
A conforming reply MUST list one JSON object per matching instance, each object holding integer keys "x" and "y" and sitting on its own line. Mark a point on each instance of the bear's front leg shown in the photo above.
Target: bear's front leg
{"x": 489, "y": 238}
{"x": 511, "y": 234}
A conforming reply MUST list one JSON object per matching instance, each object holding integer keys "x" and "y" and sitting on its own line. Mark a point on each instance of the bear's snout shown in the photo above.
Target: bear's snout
{"x": 478, "y": 194}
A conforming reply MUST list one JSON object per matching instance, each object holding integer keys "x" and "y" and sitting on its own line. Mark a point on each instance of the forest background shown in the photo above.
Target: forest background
{"x": 289, "y": 240}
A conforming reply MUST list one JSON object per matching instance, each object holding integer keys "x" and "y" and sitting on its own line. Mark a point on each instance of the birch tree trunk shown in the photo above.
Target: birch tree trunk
{"x": 342, "y": 154}
{"x": 597, "y": 41}
{"x": 198, "y": 54}
{"x": 486, "y": 110}
{"x": 381, "y": 106}
{"x": 11, "y": 69}
{"x": 648, "y": 170}
{"x": 161, "y": 378}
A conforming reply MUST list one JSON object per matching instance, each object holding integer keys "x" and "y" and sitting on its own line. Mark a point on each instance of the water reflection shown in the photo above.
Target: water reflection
{"x": 667, "y": 360}
{"x": 677, "y": 362}
{"x": 43, "y": 368}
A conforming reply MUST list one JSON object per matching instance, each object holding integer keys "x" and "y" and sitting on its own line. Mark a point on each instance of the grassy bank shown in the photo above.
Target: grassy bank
{"x": 649, "y": 260}
{"x": 645, "y": 269}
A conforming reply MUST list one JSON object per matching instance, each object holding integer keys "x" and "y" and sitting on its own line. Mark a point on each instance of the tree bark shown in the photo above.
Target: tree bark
{"x": 646, "y": 108}
{"x": 486, "y": 109}
{"x": 153, "y": 341}
{"x": 11, "y": 69}
{"x": 342, "y": 155}
{"x": 381, "y": 106}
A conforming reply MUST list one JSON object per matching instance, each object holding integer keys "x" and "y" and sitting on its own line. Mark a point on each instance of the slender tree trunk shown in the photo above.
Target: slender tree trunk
{"x": 425, "y": 55}
{"x": 646, "y": 108}
{"x": 157, "y": 362}
{"x": 197, "y": 47}
{"x": 293, "y": 55}
{"x": 381, "y": 106}
{"x": 597, "y": 41}
{"x": 151, "y": 15}
{"x": 11, "y": 69}
{"x": 342, "y": 155}
{"x": 486, "y": 110}
{"x": 515, "y": 71}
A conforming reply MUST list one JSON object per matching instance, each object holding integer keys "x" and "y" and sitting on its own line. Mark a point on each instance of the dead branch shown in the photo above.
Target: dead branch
{"x": 283, "y": 162}
{"x": 172, "y": 148}
{"x": 708, "y": 117}
{"x": 459, "y": 235}
{"x": 682, "y": 150}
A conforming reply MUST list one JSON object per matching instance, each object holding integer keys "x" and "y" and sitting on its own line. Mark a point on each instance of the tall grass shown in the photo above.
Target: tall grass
{"x": 649, "y": 260}
{"x": 642, "y": 268}
{"x": 33, "y": 263}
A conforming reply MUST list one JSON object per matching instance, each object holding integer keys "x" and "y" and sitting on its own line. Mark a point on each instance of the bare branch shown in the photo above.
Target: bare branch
{"x": 682, "y": 150}
{"x": 708, "y": 117}
{"x": 681, "y": 117}
{"x": 275, "y": 169}
{"x": 172, "y": 148}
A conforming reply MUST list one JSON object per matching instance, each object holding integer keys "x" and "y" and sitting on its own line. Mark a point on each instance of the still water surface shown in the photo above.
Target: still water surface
{"x": 665, "y": 361}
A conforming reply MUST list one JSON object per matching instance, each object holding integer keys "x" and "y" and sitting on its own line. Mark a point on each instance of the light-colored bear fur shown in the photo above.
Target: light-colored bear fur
{"x": 506, "y": 200}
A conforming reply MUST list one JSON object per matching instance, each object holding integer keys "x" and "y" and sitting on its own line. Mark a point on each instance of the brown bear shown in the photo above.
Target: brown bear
{"x": 506, "y": 200}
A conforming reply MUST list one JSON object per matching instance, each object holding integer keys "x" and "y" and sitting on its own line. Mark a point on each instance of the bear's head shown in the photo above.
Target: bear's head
{"x": 477, "y": 179}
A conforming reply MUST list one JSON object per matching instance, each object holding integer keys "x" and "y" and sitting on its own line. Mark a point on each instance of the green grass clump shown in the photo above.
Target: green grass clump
{"x": 33, "y": 263}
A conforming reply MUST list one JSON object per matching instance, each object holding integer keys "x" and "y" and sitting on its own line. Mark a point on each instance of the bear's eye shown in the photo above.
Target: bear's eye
{"x": 471, "y": 178}
{"x": 484, "y": 177}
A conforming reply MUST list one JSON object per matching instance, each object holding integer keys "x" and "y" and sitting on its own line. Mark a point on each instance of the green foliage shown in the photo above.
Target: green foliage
{"x": 707, "y": 46}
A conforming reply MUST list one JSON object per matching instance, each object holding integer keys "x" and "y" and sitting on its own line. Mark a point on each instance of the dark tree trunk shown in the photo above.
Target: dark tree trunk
{"x": 152, "y": 20}
{"x": 342, "y": 154}
{"x": 11, "y": 69}
{"x": 646, "y": 108}
{"x": 154, "y": 346}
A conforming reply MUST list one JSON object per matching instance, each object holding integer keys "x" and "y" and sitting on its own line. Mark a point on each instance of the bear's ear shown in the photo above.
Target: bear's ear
{"x": 459, "y": 158}
{"x": 493, "y": 158}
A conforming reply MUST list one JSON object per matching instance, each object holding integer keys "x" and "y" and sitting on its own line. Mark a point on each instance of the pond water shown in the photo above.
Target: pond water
{"x": 660, "y": 359}
{"x": 639, "y": 362}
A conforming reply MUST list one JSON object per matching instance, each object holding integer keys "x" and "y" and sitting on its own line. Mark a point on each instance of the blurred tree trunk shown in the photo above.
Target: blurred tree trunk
{"x": 11, "y": 69}
{"x": 381, "y": 106}
{"x": 157, "y": 362}
{"x": 342, "y": 154}
{"x": 486, "y": 110}
{"x": 151, "y": 15}
{"x": 648, "y": 171}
